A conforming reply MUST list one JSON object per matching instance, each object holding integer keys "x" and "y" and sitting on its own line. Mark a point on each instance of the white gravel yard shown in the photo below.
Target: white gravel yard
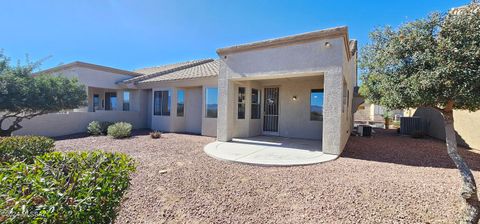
{"x": 384, "y": 179}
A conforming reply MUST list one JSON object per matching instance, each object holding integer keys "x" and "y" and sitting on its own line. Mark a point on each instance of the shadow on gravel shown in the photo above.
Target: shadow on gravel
{"x": 389, "y": 147}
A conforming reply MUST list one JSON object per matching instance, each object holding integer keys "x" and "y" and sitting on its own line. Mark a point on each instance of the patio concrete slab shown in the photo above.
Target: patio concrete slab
{"x": 269, "y": 151}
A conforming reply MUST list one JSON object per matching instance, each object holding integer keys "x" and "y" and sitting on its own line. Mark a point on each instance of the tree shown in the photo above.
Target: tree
{"x": 23, "y": 96}
{"x": 432, "y": 62}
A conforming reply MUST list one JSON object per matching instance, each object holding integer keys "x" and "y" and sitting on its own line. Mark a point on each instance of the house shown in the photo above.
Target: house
{"x": 368, "y": 113}
{"x": 298, "y": 86}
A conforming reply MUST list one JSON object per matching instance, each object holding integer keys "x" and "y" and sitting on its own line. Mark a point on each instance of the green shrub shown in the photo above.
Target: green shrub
{"x": 98, "y": 128}
{"x": 73, "y": 187}
{"x": 104, "y": 126}
{"x": 120, "y": 130}
{"x": 24, "y": 148}
{"x": 94, "y": 128}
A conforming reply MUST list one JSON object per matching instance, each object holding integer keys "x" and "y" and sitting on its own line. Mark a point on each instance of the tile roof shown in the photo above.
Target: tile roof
{"x": 90, "y": 66}
{"x": 207, "y": 69}
{"x": 152, "y": 72}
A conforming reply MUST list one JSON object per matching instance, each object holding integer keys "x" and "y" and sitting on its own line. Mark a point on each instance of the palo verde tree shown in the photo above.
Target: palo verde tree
{"x": 23, "y": 96}
{"x": 432, "y": 62}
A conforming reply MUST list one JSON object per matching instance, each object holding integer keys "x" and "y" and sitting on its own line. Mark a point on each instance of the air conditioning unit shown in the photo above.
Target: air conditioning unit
{"x": 365, "y": 130}
{"x": 410, "y": 125}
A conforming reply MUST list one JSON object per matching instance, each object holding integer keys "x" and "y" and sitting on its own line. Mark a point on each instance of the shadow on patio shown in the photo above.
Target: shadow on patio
{"x": 389, "y": 147}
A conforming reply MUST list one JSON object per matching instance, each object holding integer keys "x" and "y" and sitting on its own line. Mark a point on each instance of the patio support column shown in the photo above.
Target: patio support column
{"x": 332, "y": 112}
{"x": 225, "y": 105}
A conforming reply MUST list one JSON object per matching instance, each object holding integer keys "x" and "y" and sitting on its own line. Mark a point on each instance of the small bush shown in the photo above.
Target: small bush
{"x": 155, "y": 134}
{"x": 94, "y": 128}
{"x": 104, "y": 126}
{"x": 120, "y": 130}
{"x": 24, "y": 148}
{"x": 59, "y": 187}
{"x": 98, "y": 128}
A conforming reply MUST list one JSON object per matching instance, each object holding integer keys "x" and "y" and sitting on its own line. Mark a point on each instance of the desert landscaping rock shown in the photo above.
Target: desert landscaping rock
{"x": 383, "y": 179}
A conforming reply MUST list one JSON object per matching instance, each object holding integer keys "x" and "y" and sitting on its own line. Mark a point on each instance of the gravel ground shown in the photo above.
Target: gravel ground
{"x": 384, "y": 179}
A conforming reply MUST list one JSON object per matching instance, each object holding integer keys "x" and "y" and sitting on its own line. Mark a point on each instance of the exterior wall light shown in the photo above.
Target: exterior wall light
{"x": 328, "y": 44}
{"x": 294, "y": 98}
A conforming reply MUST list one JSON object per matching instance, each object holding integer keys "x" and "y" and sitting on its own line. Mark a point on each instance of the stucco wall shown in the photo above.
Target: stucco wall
{"x": 193, "y": 110}
{"x": 294, "y": 115}
{"x": 209, "y": 125}
{"x": 349, "y": 73}
{"x": 58, "y": 124}
{"x": 466, "y": 125}
{"x": 194, "y": 92}
{"x": 288, "y": 61}
{"x": 96, "y": 82}
{"x": 94, "y": 78}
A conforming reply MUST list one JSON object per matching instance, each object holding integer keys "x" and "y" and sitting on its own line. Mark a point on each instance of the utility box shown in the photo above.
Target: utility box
{"x": 410, "y": 125}
{"x": 365, "y": 130}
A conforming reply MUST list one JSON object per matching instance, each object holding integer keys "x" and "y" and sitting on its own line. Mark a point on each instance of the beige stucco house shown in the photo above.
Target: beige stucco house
{"x": 373, "y": 114}
{"x": 298, "y": 86}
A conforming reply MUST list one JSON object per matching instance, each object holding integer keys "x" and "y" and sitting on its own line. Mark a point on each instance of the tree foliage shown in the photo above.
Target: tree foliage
{"x": 24, "y": 96}
{"x": 432, "y": 62}
{"x": 428, "y": 62}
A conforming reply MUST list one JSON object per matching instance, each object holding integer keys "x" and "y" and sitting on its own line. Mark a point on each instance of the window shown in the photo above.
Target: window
{"x": 256, "y": 106}
{"x": 96, "y": 102}
{"x": 161, "y": 100}
{"x": 241, "y": 103}
{"x": 211, "y": 104}
{"x": 110, "y": 101}
{"x": 316, "y": 105}
{"x": 180, "y": 103}
{"x": 126, "y": 100}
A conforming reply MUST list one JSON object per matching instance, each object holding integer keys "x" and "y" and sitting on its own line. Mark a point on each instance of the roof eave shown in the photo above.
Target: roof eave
{"x": 87, "y": 65}
{"x": 147, "y": 83}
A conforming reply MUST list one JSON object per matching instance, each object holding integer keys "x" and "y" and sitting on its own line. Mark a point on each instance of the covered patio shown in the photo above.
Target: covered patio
{"x": 295, "y": 87}
{"x": 269, "y": 151}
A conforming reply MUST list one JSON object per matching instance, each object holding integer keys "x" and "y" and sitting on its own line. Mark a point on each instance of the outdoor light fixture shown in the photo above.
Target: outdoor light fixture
{"x": 294, "y": 98}
{"x": 328, "y": 44}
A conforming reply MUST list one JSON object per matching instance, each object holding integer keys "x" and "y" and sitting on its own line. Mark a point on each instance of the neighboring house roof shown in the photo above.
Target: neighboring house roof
{"x": 160, "y": 71}
{"x": 209, "y": 68}
{"x": 87, "y": 65}
{"x": 341, "y": 31}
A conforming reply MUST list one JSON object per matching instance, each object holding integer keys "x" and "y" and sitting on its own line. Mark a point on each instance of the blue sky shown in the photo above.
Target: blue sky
{"x": 132, "y": 34}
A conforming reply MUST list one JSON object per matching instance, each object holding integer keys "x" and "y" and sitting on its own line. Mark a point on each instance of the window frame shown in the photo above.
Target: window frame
{"x": 241, "y": 103}
{"x": 310, "y": 105}
{"x": 183, "y": 103}
{"x": 109, "y": 105}
{"x": 126, "y": 105}
{"x": 96, "y": 103}
{"x": 159, "y": 105}
{"x": 206, "y": 102}
{"x": 258, "y": 110}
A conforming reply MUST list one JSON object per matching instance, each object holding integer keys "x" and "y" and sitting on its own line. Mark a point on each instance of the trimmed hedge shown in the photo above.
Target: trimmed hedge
{"x": 84, "y": 187}
{"x": 24, "y": 148}
{"x": 120, "y": 130}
